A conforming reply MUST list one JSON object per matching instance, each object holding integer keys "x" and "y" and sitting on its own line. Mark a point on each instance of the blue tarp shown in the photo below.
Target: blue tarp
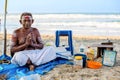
{"x": 14, "y": 72}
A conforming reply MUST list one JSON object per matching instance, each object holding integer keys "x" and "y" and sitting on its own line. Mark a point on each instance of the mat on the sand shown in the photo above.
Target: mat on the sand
{"x": 13, "y": 72}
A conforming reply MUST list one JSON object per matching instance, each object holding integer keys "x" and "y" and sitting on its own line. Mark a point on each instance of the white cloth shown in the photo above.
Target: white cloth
{"x": 63, "y": 53}
{"x": 37, "y": 56}
{"x": 31, "y": 77}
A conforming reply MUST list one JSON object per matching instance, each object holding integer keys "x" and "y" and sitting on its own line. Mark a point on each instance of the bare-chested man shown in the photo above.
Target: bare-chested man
{"x": 27, "y": 47}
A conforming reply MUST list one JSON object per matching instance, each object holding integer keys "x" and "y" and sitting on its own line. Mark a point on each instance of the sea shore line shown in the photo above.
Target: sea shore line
{"x": 87, "y": 37}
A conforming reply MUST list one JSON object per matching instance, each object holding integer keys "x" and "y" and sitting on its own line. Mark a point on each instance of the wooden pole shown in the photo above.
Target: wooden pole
{"x": 5, "y": 31}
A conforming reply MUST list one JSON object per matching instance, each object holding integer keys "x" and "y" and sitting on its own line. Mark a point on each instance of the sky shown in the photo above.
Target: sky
{"x": 61, "y": 6}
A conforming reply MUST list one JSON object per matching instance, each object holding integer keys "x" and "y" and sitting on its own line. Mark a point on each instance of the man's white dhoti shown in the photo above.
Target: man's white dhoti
{"x": 37, "y": 56}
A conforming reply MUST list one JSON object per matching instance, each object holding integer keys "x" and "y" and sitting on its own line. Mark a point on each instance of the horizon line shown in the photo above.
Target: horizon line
{"x": 70, "y": 13}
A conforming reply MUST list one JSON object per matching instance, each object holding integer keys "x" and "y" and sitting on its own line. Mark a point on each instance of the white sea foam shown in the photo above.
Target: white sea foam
{"x": 82, "y": 24}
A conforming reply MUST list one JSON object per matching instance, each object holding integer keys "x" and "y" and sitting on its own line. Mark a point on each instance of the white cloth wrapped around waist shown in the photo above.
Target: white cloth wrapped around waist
{"x": 37, "y": 56}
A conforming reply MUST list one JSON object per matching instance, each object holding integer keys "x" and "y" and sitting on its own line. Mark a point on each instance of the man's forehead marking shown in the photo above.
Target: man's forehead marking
{"x": 26, "y": 17}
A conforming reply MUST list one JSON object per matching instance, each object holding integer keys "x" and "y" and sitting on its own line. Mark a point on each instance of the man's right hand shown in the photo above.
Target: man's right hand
{"x": 28, "y": 39}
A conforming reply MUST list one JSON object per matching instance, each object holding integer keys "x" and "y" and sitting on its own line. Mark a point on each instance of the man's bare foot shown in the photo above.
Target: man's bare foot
{"x": 31, "y": 67}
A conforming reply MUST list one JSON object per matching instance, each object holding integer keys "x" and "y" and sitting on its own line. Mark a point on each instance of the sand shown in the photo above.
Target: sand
{"x": 67, "y": 72}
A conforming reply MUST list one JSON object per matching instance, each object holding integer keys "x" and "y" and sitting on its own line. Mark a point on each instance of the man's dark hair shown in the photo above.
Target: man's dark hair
{"x": 25, "y": 13}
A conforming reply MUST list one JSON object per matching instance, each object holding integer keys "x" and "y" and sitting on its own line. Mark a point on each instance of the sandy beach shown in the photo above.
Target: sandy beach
{"x": 67, "y": 72}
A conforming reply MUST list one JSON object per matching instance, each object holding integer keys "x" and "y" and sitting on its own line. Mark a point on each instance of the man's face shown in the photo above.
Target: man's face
{"x": 26, "y": 21}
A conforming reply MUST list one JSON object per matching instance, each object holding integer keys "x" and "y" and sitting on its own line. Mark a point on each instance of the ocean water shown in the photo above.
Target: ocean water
{"x": 80, "y": 24}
